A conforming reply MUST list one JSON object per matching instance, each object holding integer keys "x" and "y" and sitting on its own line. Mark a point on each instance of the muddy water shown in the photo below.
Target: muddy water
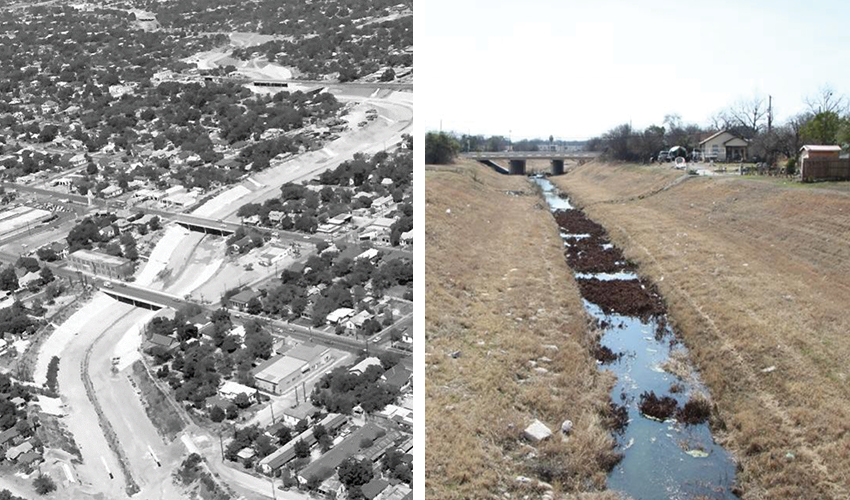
{"x": 661, "y": 459}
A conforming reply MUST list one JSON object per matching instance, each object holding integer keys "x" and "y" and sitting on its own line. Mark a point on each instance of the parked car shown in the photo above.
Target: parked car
{"x": 663, "y": 156}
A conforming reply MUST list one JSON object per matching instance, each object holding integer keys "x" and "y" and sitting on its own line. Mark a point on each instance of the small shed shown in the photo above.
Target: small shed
{"x": 823, "y": 162}
{"x": 819, "y": 151}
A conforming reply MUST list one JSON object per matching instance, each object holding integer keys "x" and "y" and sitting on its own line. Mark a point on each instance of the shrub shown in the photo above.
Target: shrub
{"x": 440, "y": 148}
{"x": 43, "y": 484}
{"x": 52, "y": 373}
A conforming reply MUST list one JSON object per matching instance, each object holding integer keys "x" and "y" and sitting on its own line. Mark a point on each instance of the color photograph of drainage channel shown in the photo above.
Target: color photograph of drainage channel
{"x": 666, "y": 435}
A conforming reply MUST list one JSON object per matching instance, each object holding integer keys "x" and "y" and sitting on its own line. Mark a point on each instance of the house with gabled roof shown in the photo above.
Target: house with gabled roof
{"x": 725, "y": 146}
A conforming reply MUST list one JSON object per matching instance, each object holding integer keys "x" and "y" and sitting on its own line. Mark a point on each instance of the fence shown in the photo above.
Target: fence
{"x": 821, "y": 169}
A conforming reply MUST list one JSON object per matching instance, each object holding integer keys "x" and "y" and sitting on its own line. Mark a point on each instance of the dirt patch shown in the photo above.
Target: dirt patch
{"x": 660, "y": 408}
{"x": 624, "y": 297}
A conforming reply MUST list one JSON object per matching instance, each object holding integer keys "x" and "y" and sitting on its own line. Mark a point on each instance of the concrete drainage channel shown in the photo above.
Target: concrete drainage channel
{"x": 666, "y": 415}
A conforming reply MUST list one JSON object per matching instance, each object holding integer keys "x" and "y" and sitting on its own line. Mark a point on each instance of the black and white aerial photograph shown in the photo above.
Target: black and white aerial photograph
{"x": 206, "y": 249}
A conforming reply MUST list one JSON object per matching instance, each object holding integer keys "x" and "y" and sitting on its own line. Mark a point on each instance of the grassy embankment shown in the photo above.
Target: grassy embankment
{"x": 757, "y": 280}
{"x": 499, "y": 294}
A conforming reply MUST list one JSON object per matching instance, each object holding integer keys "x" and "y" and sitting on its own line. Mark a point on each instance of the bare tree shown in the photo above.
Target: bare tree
{"x": 749, "y": 114}
{"x": 720, "y": 121}
{"x": 826, "y": 100}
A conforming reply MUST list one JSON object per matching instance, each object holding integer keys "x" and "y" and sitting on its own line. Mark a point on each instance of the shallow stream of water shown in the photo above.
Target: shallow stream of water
{"x": 661, "y": 460}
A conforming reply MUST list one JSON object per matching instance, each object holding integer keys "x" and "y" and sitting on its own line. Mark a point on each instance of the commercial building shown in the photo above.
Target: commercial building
{"x": 101, "y": 264}
{"x": 21, "y": 219}
{"x": 281, "y": 373}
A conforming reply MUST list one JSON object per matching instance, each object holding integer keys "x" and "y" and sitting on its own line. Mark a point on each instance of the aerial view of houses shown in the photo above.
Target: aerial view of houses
{"x": 206, "y": 266}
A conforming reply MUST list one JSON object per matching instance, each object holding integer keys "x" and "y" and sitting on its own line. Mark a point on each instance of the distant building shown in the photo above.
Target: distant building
{"x": 339, "y": 315}
{"x": 282, "y": 372}
{"x": 361, "y": 367}
{"x": 382, "y": 202}
{"x": 725, "y": 146}
{"x": 286, "y": 453}
{"x": 230, "y": 389}
{"x": 111, "y": 192}
{"x": 14, "y": 452}
{"x": 241, "y": 299}
{"x": 160, "y": 340}
{"x": 397, "y": 377}
{"x": 370, "y": 254}
{"x": 348, "y": 448}
{"x": 374, "y": 488}
{"x": 101, "y": 264}
{"x": 7, "y": 438}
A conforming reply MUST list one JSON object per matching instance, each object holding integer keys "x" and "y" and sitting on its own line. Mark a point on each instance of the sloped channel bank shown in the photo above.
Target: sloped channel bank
{"x": 667, "y": 445}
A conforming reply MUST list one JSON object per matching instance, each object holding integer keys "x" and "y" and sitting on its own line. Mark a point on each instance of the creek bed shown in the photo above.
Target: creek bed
{"x": 661, "y": 459}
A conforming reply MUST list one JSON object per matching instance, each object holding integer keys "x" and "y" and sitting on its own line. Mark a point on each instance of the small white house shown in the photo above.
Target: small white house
{"x": 725, "y": 146}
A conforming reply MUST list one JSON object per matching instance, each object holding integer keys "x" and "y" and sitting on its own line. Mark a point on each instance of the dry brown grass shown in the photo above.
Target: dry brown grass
{"x": 498, "y": 290}
{"x": 756, "y": 275}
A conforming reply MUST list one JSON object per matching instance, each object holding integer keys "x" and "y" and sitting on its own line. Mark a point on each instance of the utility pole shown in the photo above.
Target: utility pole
{"x": 769, "y": 113}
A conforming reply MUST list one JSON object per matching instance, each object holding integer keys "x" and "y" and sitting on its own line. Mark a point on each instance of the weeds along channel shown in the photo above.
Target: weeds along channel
{"x": 508, "y": 343}
{"x": 666, "y": 441}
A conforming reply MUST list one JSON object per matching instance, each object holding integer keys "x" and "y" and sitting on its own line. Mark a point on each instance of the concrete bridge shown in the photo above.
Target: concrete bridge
{"x": 518, "y": 159}
{"x": 141, "y": 297}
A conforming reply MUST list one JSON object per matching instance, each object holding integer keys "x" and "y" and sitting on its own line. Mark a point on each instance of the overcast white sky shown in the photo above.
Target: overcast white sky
{"x": 577, "y": 68}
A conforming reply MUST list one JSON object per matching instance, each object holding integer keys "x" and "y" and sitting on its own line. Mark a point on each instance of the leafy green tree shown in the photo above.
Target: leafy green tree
{"x": 8, "y": 279}
{"x": 28, "y": 263}
{"x": 43, "y": 484}
{"x": 242, "y": 400}
{"x": 353, "y": 472}
{"x": 440, "y": 148}
{"x": 46, "y": 275}
{"x": 823, "y": 128}
{"x": 302, "y": 449}
{"x": 216, "y": 414}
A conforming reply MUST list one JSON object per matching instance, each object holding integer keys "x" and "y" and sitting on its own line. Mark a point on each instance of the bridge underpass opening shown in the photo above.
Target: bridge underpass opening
{"x": 135, "y": 302}
{"x": 517, "y": 167}
{"x": 557, "y": 167}
{"x": 205, "y": 230}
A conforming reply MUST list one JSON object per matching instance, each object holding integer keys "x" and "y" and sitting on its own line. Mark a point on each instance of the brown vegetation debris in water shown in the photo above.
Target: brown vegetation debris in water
{"x": 696, "y": 411}
{"x": 575, "y": 222}
{"x": 618, "y": 417}
{"x": 625, "y": 297}
{"x": 587, "y": 256}
{"x": 604, "y": 354}
{"x": 653, "y": 406}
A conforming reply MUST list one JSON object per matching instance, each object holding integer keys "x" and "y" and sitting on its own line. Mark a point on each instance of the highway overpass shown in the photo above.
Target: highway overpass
{"x": 518, "y": 159}
{"x": 141, "y": 297}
